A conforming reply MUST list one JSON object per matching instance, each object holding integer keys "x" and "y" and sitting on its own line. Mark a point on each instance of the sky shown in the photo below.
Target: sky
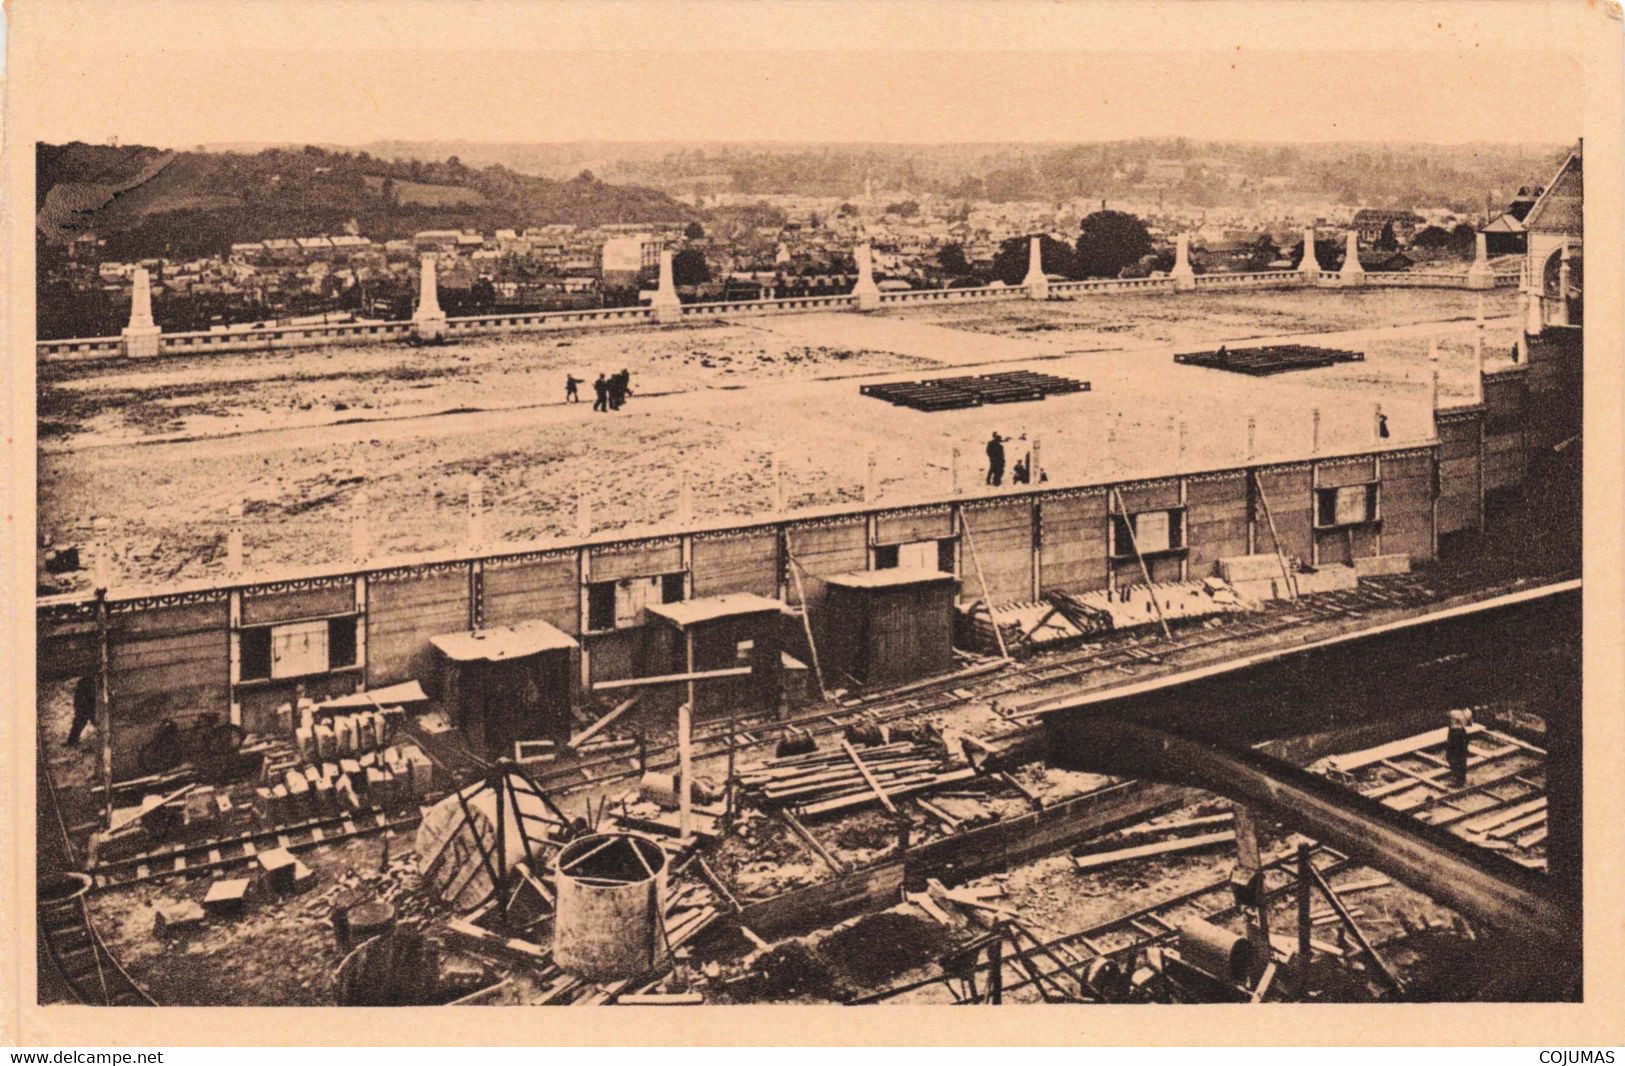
{"x": 179, "y": 73}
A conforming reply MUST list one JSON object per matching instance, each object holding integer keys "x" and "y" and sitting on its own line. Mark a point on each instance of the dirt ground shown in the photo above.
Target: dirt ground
{"x": 716, "y": 403}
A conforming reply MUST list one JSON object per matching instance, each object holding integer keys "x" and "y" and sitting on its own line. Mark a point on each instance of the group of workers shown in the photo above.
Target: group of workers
{"x": 609, "y": 391}
{"x": 1021, "y": 474}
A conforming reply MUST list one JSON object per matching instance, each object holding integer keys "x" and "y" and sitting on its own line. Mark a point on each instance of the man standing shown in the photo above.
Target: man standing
{"x": 995, "y": 459}
{"x": 570, "y": 393}
{"x": 84, "y": 707}
{"x": 1455, "y": 746}
{"x": 600, "y": 390}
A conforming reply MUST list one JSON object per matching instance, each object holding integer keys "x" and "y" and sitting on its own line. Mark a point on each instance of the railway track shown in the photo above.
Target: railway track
{"x": 1126, "y": 657}
{"x": 1053, "y": 963}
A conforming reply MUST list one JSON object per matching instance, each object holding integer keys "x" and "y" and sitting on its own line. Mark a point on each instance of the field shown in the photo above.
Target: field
{"x": 157, "y": 452}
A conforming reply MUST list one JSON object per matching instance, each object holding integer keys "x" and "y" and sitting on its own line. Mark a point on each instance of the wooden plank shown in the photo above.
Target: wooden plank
{"x": 592, "y": 730}
{"x": 672, "y": 679}
{"x": 1163, "y": 847}
{"x": 851, "y": 753}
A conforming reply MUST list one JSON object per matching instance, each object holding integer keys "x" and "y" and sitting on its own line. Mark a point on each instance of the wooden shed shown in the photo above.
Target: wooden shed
{"x": 734, "y": 631}
{"x": 508, "y": 683}
{"x": 887, "y": 627}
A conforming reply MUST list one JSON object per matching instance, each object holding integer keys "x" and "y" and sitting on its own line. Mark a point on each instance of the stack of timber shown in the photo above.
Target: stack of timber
{"x": 1270, "y": 358}
{"x": 827, "y": 782}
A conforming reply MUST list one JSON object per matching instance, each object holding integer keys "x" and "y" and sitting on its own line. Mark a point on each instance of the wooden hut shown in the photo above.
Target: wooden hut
{"x": 508, "y": 683}
{"x": 735, "y": 631}
{"x": 887, "y": 627}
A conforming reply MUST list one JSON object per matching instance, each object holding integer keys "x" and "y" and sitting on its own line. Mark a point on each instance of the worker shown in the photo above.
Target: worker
{"x": 84, "y": 707}
{"x": 1223, "y": 354}
{"x": 570, "y": 386}
{"x": 1382, "y": 426}
{"x": 1455, "y": 746}
{"x": 620, "y": 388}
{"x": 995, "y": 459}
{"x": 1019, "y": 475}
{"x": 600, "y": 390}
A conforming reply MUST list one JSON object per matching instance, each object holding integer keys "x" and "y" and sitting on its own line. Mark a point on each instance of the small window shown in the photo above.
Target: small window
{"x": 945, "y": 555}
{"x": 742, "y": 650}
{"x": 886, "y": 556}
{"x": 601, "y": 605}
{"x": 254, "y": 654}
{"x": 1349, "y": 505}
{"x": 671, "y": 588}
{"x": 1154, "y": 532}
{"x": 340, "y": 643}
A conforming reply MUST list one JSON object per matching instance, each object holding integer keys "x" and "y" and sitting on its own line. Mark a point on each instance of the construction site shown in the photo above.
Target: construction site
{"x": 1262, "y": 684}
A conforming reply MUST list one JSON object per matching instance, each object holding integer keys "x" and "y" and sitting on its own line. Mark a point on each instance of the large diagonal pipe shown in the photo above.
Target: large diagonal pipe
{"x": 1516, "y": 902}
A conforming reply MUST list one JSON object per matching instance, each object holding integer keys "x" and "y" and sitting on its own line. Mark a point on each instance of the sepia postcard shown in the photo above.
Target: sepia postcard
{"x": 796, "y": 520}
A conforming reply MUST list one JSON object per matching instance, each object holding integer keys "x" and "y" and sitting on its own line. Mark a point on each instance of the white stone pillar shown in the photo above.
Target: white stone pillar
{"x": 1314, "y": 431}
{"x": 1309, "y": 265}
{"x": 1352, "y": 273}
{"x": 1534, "y": 321}
{"x": 667, "y": 307}
{"x": 1479, "y": 275}
{"x": 1252, "y": 437}
{"x": 428, "y": 321}
{"x": 955, "y": 483}
{"x": 141, "y": 336}
{"x": 1037, "y": 462}
{"x": 867, "y": 292}
{"x": 1035, "y": 281}
{"x": 1184, "y": 274}
{"x": 1563, "y": 276}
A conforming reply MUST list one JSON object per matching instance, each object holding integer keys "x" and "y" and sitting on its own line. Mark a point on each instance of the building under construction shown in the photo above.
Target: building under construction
{"x": 1303, "y": 729}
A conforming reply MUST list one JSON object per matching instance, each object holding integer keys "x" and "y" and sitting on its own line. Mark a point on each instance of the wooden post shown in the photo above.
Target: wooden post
{"x": 476, "y": 515}
{"x": 987, "y": 600}
{"x": 955, "y": 483}
{"x": 806, "y": 621}
{"x": 871, "y": 486}
{"x": 995, "y": 968}
{"x": 1037, "y": 464}
{"x": 685, "y": 760}
{"x": 1314, "y": 431}
{"x": 360, "y": 532}
{"x": 104, "y": 710}
{"x": 1387, "y": 974}
{"x": 1145, "y": 571}
{"x": 685, "y": 499}
{"x": 583, "y": 511}
{"x": 1304, "y": 924}
{"x": 1252, "y": 437}
{"x": 1184, "y": 436}
{"x": 234, "y": 539}
{"x": 778, "y": 485}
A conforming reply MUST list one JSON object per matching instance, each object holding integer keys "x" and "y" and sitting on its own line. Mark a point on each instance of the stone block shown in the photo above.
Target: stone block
{"x": 276, "y": 869}
{"x": 1374, "y": 565}
{"x": 227, "y": 897}
{"x": 174, "y": 918}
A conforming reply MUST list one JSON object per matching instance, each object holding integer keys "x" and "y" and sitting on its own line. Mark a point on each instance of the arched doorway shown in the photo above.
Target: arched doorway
{"x": 1562, "y": 286}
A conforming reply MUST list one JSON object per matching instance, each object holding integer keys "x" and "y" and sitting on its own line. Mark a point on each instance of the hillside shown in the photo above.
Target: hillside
{"x": 146, "y": 202}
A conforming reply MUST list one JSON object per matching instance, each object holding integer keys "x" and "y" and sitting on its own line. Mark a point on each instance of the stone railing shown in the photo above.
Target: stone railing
{"x": 265, "y": 337}
{"x": 79, "y": 348}
{"x": 1257, "y": 279}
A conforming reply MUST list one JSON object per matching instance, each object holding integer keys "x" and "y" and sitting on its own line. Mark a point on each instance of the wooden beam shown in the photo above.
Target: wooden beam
{"x": 1388, "y": 975}
{"x": 812, "y": 842}
{"x": 1107, "y": 858}
{"x": 1275, "y": 539}
{"x": 671, "y": 679}
{"x": 806, "y": 620}
{"x": 851, "y": 753}
{"x": 592, "y": 730}
{"x": 1145, "y": 572}
{"x": 987, "y": 600}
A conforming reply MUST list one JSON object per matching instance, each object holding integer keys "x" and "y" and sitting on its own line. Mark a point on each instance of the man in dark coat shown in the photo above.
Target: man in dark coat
{"x": 84, "y": 707}
{"x": 600, "y": 390}
{"x": 570, "y": 393}
{"x": 995, "y": 459}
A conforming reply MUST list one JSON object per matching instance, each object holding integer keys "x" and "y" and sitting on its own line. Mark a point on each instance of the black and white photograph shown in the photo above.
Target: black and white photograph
{"x": 712, "y": 504}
